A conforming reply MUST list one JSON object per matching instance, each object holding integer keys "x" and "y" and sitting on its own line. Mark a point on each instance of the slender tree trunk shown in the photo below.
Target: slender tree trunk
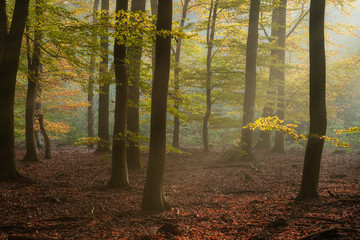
{"x": 103, "y": 123}
{"x": 133, "y": 121}
{"x": 318, "y": 121}
{"x": 40, "y": 118}
{"x": 10, "y": 45}
{"x": 264, "y": 138}
{"x": 153, "y": 195}
{"x": 119, "y": 170}
{"x": 210, "y": 34}
{"x": 90, "y": 112}
{"x": 33, "y": 79}
{"x": 279, "y": 137}
{"x": 176, "y": 133}
{"x": 250, "y": 79}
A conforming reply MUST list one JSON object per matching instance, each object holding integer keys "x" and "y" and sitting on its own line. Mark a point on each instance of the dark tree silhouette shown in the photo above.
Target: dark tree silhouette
{"x": 153, "y": 195}
{"x": 103, "y": 123}
{"x": 133, "y": 121}
{"x": 10, "y": 45}
{"x": 250, "y": 79}
{"x": 318, "y": 121}
{"x": 119, "y": 171}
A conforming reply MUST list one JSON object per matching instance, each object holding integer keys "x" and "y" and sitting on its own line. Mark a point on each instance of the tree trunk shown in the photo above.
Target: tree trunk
{"x": 264, "y": 138}
{"x": 103, "y": 123}
{"x": 133, "y": 121}
{"x": 311, "y": 170}
{"x": 176, "y": 133}
{"x": 40, "y": 117}
{"x": 33, "y": 79}
{"x": 153, "y": 195}
{"x": 279, "y": 146}
{"x": 119, "y": 171}
{"x": 250, "y": 79}
{"x": 10, "y": 45}
{"x": 90, "y": 112}
{"x": 154, "y": 12}
{"x": 210, "y": 34}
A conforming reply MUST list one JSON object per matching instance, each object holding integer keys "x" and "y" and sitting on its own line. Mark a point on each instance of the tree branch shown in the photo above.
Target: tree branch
{"x": 266, "y": 34}
{"x": 297, "y": 23}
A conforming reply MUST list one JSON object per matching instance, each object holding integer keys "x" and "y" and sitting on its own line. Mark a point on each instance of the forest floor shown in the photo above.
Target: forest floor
{"x": 67, "y": 198}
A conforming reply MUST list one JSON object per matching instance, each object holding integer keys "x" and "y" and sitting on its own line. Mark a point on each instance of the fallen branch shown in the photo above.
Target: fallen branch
{"x": 328, "y": 231}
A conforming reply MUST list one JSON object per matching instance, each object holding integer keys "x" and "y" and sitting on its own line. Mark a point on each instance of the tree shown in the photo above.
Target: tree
{"x": 90, "y": 114}
{"x": 33, "y": 79}
{"x": 210, "y": 34}
{"x": 10, "y": 44}
{"x": 264, "y": 138}
{"x": 133, "y": 122}
{"x": 153, "y": 195}
{"x": 280, "y": 76}
{"x": 177, "y": 51}
{"x": 318, "y": 120}
{"x": 40, "y": 117}
{"x": 103, "y": 123}
{"x": 119, "y": 171}
{"x": 250, "y": 79}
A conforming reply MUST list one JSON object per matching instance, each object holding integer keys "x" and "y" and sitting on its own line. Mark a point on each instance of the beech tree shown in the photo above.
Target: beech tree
{"x": 10, "y": 44}
{"x": 133, "y": 121}
{"x": 177, "y": 52}
{"x": 33, "y": 79}
{"x": 250, "y": 79}
{"x": 264, "y": 138}
{"x": 280, "y": 75}
{"x": 103, "y": 123}
{"x": 153, "y": 195}
{"x": 90, "y": 113}
{"x": 318, "y": 119}
{"x": 210, "y": 34}
{"x": 119, "y": 171}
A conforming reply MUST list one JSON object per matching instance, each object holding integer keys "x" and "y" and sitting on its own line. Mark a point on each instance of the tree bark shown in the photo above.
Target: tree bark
{"x": 103, "y": 123}
{"x": 40, "y": 117}
{"x": 154, "y": 12}
{"x": 10, "y": 45}
{"x": 119, "y": 171}
{"x": 90, "y": 109}
{"x": 279, "y": 146}
{"x": 318, "y": 121}
{"x": 264, "y": 137}
{"x": 176, "y": 133}
{"x": 250, "y": 80}
{"x": 33, "y": 79}
{"x": 133, "y": 121}
{"x": 153, "y": 195}
{"x": 210, "y": 34}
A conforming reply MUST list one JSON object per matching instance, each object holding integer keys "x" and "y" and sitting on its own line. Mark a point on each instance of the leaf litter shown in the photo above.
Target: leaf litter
{"x": 67, "y": 198}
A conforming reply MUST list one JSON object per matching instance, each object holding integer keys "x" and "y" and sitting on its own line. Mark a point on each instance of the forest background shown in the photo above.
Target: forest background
{"x": 66, "y": 73}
